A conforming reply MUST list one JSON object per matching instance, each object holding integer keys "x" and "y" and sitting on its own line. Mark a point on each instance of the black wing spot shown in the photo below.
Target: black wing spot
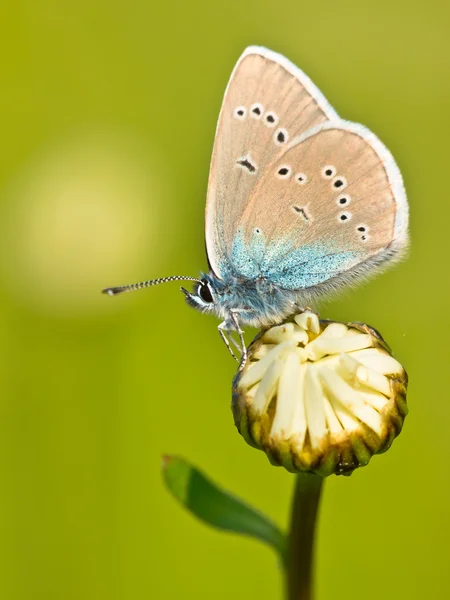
{"x": 302, "y": 211}
{"x": 281, "y": 136}
{"x": 240, "y": 112}
{"x": 284, "y": 172}
{"x": 271, "y": 119}
{"x": 339, "y": 182}
{"x": 256, "y": 110}
{"x": 328, "y": 171}
{"x": 244, "y": 162}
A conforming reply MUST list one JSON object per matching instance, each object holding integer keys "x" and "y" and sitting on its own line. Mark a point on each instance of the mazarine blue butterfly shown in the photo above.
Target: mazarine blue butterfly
{"x": 300, "y": 202}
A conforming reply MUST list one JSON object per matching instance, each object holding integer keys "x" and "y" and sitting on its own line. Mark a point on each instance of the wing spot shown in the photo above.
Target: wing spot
{"x": 284, "y": 172}
{"x": 256, "y": 110}
{"x": 364, "y": 230}
{"x": 258, "y": 230}
{"x": 240, "y": 113}
{"x": 301, "y": 178}
{"x": 302, "y": 211}
{"x": 328, "y": 172}
{"x": 343, "y": 200}
{"x": 339, "y": 183}
{"x": 345, "y": 216}
{"x": 246, "y": 163}
{"x": 281, "y": 137}
{"x": 271, "y": 119}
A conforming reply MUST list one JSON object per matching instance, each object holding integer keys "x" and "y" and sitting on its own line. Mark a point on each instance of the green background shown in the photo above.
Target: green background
{"x": 108, "y": 113}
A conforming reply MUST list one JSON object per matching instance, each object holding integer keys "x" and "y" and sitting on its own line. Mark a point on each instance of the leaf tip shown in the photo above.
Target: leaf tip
{"x": 166, "y": 459}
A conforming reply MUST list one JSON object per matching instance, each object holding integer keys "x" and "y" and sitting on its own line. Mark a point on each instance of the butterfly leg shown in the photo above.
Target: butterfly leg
{"x": 303, "y": 309}
{"x": 235, "y": 343}
{"x": 241, "y": 339}
{"x": 221, "y": 328}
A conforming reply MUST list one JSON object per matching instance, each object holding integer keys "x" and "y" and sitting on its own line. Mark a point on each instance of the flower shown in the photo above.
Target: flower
{"x": 320, "y": 396}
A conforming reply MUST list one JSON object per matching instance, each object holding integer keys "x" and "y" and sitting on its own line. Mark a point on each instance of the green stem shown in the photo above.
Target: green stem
{"x": 300, "y": 558}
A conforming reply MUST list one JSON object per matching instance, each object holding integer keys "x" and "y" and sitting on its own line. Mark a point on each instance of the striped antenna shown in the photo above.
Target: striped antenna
{"x": 113, "y": 291}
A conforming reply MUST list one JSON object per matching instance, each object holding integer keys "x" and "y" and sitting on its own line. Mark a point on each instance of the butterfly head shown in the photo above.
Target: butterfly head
{"x": 203, "y": 296}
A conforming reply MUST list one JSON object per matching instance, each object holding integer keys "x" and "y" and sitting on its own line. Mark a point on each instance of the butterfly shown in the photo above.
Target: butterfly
{"x": 300, "y": 202}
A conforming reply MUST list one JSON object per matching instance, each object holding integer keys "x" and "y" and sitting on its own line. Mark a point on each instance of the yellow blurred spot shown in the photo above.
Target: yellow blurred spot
{"x": 82, "y": 217}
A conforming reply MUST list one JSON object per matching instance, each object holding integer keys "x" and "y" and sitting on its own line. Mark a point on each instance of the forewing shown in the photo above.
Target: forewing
{"x": 268, "y": 102}
{"x": 334, "y": 200}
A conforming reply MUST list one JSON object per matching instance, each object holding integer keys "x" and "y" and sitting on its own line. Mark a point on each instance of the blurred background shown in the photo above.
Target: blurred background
{"x": 108, "y": 113}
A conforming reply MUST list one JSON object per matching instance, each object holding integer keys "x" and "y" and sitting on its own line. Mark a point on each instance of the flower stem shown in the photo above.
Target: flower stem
{"x": 305, "y": 505}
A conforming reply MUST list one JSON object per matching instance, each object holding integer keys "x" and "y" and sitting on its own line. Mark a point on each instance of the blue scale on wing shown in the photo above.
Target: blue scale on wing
{"x": 310, "y": 265}
{"x": 286, "y": 266}
{"x": 247, "y": 256}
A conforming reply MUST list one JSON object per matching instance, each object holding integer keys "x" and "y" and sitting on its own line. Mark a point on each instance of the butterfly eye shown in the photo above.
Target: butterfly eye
{"x": 256, "y": 110}
{"x": 205, "y": 293}
{"x": 328, "y": 172}
{"x": 240, "y": 112}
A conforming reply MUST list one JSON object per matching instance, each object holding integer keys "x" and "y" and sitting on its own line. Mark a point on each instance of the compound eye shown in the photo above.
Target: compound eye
{"x": 205, "y": 293}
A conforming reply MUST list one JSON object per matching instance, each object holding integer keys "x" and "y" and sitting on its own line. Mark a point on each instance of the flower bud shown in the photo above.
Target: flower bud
{"x": 320, "y": 396}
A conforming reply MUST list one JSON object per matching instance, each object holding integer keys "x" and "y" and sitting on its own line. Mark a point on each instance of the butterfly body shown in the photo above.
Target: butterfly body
{"x": 255, "y": 302}
{"x": 300, "y": 202}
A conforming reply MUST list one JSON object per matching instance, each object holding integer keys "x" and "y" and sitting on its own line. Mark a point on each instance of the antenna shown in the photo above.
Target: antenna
{"x": 114, "y": 291}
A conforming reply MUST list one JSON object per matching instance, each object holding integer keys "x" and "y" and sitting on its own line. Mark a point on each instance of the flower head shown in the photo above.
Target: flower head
{"x": 320, "y": 396}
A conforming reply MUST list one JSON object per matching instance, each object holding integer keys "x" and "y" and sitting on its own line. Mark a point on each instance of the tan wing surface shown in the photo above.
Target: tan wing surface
{"x": 337, "y": 184}
{"x": 268, "y": 102}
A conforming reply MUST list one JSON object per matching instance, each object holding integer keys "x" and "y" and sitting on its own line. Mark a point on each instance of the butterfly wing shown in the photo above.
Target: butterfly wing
{"x": 268, "y": 101}
{"x": 296, "y": 195}
{"x": 330, "y": 205}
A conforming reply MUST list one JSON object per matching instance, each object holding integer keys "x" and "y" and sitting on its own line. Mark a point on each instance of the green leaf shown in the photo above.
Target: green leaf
{"x": 217, "y": 507}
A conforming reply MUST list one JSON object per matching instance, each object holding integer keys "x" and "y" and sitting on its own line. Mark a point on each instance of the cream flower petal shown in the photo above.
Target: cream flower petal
{"x": 320, "y": 396}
